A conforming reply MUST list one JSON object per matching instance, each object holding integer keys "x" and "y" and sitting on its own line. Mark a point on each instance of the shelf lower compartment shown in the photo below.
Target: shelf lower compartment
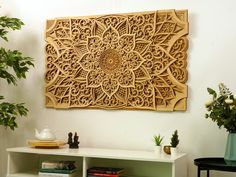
{"x": 33, "y": 174}
{"x": 24, "y": 174}
{"x": 133, "y": 168}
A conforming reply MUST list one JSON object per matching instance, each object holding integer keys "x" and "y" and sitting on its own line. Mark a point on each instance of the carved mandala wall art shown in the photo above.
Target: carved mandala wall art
{"x": 122, "y": 61}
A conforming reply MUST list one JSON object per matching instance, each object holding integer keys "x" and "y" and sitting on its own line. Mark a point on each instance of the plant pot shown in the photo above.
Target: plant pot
{"x": 230, "y": 150}
{"x": 173, "y": 151}
{"x": 157, "y": 150}
{"x": 167, "y": 149}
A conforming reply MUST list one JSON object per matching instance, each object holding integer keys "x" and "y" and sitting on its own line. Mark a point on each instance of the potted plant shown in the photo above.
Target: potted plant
{"x": 174, "y": 143}
{"x": 13, "y": 66}
{"x": 157, "y": 140}
{"x": 221, "y": 108}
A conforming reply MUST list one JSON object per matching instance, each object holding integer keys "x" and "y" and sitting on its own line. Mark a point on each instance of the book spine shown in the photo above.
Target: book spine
{"x": 57, "y": 171}
{"x": 106, "y": 170}
{"x": 41, "y": 174}
{"x": 103, "y": 174}
{"x": 44, "y": 174}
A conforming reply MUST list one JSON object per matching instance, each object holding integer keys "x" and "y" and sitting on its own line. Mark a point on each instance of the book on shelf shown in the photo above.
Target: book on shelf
{"x": 58, "y": 173}
{"x": 105, "y": 170}
{"x": 69, "y": 165}
{"x": 43, "y": 174}
{"x": 61, "y": 171}
{"x": 102, "y": 175}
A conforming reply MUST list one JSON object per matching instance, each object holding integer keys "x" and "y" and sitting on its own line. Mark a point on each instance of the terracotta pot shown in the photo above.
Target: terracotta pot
{"x": 167, "y": 149}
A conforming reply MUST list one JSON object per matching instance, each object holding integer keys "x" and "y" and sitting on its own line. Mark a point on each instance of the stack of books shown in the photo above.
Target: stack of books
{"x": 105, "y": 172}
{"x": 58, "y": 169}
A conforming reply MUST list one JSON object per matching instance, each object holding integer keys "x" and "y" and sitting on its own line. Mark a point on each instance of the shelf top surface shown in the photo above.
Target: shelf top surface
{"x": 102, "y": 153}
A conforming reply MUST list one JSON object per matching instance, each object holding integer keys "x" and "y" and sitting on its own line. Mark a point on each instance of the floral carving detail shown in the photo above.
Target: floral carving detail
{"x": 128, "y": 61}
{"x": 111, "y": 60}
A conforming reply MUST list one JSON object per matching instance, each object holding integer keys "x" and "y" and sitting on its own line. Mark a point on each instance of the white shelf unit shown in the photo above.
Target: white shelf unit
{"x": 26, "y": 161}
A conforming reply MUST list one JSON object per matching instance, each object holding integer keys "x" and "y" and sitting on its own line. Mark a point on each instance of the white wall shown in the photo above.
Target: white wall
{"x": 211, "y": 59}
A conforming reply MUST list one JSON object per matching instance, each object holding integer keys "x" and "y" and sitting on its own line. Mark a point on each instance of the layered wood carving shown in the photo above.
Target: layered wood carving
{"x": 122, "y": 61}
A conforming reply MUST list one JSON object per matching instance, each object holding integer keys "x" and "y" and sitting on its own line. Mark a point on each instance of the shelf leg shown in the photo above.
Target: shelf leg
{"x": 198, "y": 172}
{"x": 208, "y": 173}
{"x": 85, "y": 166}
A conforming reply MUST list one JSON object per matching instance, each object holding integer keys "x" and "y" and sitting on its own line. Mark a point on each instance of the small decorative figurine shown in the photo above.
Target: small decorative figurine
{"x": 70, "y": 141}
{"x": 75, "y": 144}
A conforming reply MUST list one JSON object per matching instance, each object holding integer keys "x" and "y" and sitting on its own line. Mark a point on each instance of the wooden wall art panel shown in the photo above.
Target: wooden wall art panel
{"x": 121, "y": 61}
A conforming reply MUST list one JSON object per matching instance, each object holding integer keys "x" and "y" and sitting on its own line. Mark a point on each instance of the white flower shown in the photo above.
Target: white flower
{"x": 208, "y": 102}
{"x": 228, "y": 101}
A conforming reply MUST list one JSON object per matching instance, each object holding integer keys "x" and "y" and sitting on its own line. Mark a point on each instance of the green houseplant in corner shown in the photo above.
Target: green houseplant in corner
{"x": 13, "y": 66}
{"x": 174, "y": 142}
{"x": 221, "y": 109}
{"x": 158, "y": 140}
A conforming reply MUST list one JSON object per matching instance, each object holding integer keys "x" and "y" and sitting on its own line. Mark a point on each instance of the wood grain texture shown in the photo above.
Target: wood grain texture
{"x": 46, "y": 144}
{"x": 119, "y": 61}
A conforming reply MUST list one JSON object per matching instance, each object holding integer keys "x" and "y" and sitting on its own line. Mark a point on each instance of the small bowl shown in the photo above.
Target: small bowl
{"x": 166, "y": 149}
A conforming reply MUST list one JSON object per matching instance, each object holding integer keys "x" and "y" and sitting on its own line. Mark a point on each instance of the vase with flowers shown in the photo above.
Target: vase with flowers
{"x": 222, "y": 110}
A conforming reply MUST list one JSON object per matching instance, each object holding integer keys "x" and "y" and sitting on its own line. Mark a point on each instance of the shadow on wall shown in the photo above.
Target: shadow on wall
{"x": 27, "y": 43}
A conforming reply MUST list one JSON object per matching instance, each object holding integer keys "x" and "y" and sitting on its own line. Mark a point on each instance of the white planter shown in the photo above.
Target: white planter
{"x": 157, "y": 150}
{"x": 173, "y": 151}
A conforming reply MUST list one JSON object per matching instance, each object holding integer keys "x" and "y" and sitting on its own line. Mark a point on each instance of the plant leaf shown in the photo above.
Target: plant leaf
{"x": 212, "y": 92}
{"x": 13, "y": 66}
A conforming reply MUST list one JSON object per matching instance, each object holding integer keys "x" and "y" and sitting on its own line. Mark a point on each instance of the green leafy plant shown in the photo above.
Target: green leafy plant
{"x": 222, "y": 108}
{"x": 158, "y": 139}
{"x": 13, "y": 66}
{"x": 174, "y": 139}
